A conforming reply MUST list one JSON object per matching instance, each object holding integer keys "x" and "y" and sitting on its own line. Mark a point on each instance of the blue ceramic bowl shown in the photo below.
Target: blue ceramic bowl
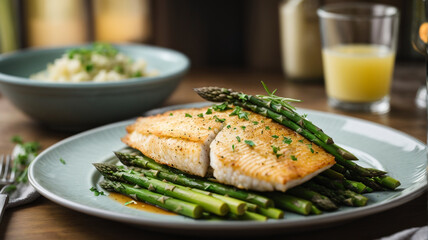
{"x": 76, "y": 106}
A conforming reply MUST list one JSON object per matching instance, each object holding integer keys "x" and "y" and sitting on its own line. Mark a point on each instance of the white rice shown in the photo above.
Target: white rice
{"x": 103, "y": 69}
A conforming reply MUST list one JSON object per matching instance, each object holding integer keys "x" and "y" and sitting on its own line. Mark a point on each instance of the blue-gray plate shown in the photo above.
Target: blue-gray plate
{"x": 403, "y": 156}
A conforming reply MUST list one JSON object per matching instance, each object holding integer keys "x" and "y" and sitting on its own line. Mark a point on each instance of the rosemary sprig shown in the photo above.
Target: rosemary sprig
{"x": 285, "y": 102}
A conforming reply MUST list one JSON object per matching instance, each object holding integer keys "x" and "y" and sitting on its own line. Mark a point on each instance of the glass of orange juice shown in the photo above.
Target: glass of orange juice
{"x": 359, "y": 43}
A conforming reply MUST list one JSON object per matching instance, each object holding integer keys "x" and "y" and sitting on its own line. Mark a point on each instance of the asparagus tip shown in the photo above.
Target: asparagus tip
{"x": 105, "y": 168}
{"x": 107, "y": 185}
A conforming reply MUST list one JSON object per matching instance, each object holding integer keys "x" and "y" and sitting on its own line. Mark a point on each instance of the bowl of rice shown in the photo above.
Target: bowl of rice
{"x": 78, "y": 87}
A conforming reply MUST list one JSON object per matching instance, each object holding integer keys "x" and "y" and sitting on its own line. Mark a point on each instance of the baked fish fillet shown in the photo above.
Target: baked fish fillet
{"x": 179, "y": 139}
{"x": 256, "y": 154}
{"x": 263, "y": 155}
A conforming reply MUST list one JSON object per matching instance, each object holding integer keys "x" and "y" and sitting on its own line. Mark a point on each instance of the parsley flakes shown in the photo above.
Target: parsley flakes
{"x": 287, "y": 140}
{"x": 201, "y": 115}
{"x": 310, "y": 147}
{"x": 221, "y": 107}
{"x": 187, "y": 115}
{"x": 243, "y": 96}
{"x": 62, "y": 161}
{"x": 238, "y": 138}
{"x": 132, "y": 201}
{"x": 293, "y": 158}
{"x": 219, "y": 119}
{"x": 238, "y": 112}
{"x": 250, "y": 143}
{"x": 275, "y": 151}
{"x": 209, "y": 111}
{"x": 96, "y": 192}
{"x": 17, "y": 139}
{"x": 275, "y": 136}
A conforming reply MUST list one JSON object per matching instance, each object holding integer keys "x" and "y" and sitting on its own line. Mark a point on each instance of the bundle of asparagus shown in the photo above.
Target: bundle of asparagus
{"x": 279, "y": 109}
{"x": 145, "y": 180}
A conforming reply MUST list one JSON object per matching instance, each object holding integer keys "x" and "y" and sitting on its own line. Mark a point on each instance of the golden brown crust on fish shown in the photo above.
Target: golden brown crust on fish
{"x": 279, "y": 159}
{"x": 178, "y": 138}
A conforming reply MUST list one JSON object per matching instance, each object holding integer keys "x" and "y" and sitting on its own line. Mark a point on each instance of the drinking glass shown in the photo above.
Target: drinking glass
{"x": 359, "y": 43}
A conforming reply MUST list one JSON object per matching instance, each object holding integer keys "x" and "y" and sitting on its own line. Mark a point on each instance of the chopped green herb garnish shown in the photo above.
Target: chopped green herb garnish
{"x": 219, "y": 119}
{"x": 209, "y": 128}
{"x": 105, "y": 49}
{"x": 89, "y": 67}
{"x": 250, "y": 143}
{"x": 304, "y": 115}
{"x": 228, "y": 126}
{"x": 209, "y": 111}
{"x": 255, "y": 122}
{"x": 238, "y": 112}
{"x": 275, "y": 136}
{"x": 238, "y": 138}
{"x": 16, "y": 139}
{"x": 300, "y": 140}
{"x": 275, "y": 151}
{"x": 84, "y": 55}
{"x": 293, "y": 158}
{"x": 262, "y": 121}
{"x": 243, "y": 96}
{"x": 21, "y": 162}
{"x": 10, "y": 188}
{"x": 137, "y": 74}
{"x": 171, "y": 114}
{"x": 201, "y": 115}
{"x": 96, "y": 192}
{"x": 119, "y": 69}
{"x": 287, "y": 140}
{"x": 243, "y": 127}
{"x": 187, "y": 115}
{"x": 31, "y": 147}
{"x": 233, "y": 147}
{"x": 221, "y": 107}
{"x": 22, "y": 159}
{"x": 267, "y": 128}
{"x": 310, "y": 147}
{"x": 62, "y": 161}
{"x": 129, "y": 202}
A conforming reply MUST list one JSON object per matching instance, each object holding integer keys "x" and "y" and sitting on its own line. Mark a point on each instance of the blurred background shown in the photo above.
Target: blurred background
{"x": 221, "y": 33}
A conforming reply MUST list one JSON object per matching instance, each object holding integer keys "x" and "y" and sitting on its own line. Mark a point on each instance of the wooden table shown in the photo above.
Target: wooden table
{"x": 45, "y": 220}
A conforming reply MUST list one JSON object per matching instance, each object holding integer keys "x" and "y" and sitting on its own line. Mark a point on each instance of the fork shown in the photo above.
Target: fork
{"x": 7, "y": 177}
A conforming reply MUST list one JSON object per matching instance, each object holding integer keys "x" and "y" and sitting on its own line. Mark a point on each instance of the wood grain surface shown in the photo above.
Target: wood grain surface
{"x": 45, "y": 220}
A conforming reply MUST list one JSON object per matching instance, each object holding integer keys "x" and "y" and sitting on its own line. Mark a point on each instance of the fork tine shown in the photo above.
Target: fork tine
{"x": 2, "y": 160}
{"x": 12, "y": 172}
{"x": 6, "y": 168}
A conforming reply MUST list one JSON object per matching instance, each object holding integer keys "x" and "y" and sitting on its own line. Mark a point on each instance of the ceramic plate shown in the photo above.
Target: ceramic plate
{"x": 403, "y": 156}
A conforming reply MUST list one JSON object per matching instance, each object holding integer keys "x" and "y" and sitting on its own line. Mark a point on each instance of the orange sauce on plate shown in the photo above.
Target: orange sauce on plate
{"x": 138, "y": 205}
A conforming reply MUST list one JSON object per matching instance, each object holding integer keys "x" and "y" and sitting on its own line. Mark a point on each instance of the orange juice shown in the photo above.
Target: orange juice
{"x": 358, "y": 72}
